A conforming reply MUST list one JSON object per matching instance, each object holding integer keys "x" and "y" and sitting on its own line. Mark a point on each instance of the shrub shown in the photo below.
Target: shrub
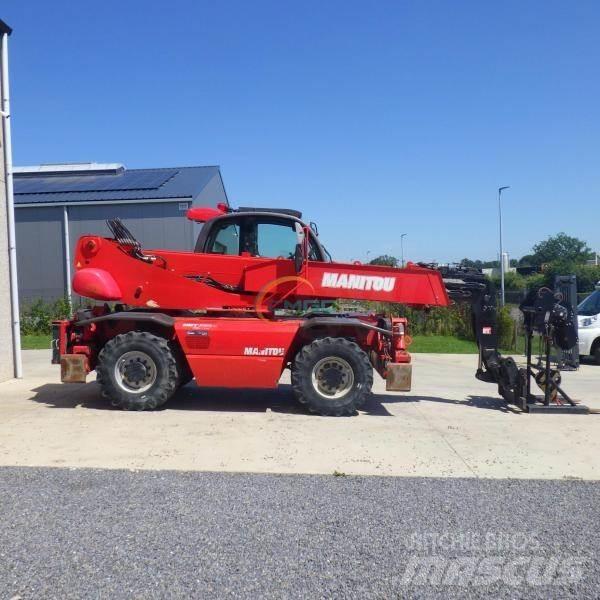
{"x": 37, "y": 317}
{"x": 506, "y": 328}
{"x": 455, "y": 320}
{"x": 587, "y": 275}
{"x": 536, "y": 281}
{"x": 512, "y": 281}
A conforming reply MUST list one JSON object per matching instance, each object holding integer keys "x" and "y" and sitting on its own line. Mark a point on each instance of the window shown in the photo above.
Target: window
{"x": 590, "y": 306}
{"x": 276, "y": 240}
{"x": 226, "y": 240}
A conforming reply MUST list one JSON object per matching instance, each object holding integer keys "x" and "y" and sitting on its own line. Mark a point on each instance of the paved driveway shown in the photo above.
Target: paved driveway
{"x": 450, "y": 425}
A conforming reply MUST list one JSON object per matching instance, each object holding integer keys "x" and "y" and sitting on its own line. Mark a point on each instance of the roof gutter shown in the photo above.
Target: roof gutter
{"x": 10, "y": 206}
{"x": 187, "y": 199}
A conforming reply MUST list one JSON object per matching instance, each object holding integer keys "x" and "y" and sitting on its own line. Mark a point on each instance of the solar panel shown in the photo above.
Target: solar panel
{"x": 128, "y": 180}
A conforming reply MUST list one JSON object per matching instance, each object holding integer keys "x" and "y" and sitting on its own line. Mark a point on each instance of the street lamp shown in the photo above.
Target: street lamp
{"x": 402, "y": 249}
{"x": 500, "y": 190}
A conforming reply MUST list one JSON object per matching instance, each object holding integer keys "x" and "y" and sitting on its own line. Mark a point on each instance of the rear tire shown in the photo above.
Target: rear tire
{"x": 332, "y": 376}
{"x": 137, "y": 371}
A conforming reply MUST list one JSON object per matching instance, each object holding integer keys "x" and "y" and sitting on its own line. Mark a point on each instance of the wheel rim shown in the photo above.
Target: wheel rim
{"x": 135, "y": 372}
{"x": 332, "y": 377}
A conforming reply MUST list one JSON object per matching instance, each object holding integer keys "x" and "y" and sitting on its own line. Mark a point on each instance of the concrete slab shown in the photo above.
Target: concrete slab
{"x": 450, "y": 425}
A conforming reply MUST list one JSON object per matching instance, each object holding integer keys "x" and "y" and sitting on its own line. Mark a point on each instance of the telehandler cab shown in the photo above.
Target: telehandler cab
{"x": 218, "y": 315}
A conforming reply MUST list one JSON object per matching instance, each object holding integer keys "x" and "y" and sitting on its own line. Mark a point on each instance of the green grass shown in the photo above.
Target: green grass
{"x": 35, "y": 342}
{"x": 447, "y": 344}
{"x": 443, "y": 344}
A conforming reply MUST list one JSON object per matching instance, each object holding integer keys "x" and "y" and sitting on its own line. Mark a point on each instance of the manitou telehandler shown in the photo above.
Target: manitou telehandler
{"x": 230, "y": 315}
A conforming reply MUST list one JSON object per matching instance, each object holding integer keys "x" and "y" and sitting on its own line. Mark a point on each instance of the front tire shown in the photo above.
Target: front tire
{"x": 137, "y": 371}
{"x": 332, "y": 376}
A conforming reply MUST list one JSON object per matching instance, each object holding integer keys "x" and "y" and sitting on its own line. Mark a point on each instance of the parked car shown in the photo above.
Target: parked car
{"x": 589, "y": 325}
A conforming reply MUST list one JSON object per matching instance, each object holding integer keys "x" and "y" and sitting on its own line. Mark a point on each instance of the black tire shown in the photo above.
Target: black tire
{"x": 596, "y": 352}
{"x": 323, "y": 395}
{"x": 151, "y": 365}
{"x": 184, "y": 372}
{"x": 185, "y": 379}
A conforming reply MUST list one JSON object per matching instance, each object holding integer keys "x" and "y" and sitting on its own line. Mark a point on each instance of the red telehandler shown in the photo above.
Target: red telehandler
{"x": 230, "y": 315}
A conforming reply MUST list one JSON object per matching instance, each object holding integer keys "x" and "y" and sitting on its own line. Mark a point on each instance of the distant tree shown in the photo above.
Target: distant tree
{"x": 490, "y": 264}
{"x": 527, "y": 261}
{"x": 385, "y": 260}
{"x": 474, "y": 264}
{"x": 561, "y": 248}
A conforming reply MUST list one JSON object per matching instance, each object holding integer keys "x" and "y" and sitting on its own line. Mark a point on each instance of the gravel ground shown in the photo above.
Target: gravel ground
{"x": 120, "y": 534}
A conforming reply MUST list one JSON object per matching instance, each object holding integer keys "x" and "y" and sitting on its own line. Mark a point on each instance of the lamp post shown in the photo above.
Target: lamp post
{"x": 500, "y": 190}
{"x": 402, "y": 249}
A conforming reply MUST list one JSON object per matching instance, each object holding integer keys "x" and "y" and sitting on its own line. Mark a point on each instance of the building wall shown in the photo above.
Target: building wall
{"x": 6, "y": 339}
{"x": 40, "y": 238}
{"x": 40, "y": 253}
{"x": 155, "y": 225}
{"x": 212, "y": 193}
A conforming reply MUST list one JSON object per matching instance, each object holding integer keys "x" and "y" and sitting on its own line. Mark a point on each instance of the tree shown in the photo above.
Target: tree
{"x": 473, "y": 264}
{"x": 480, "y": 264}
{"x": 527, "y": 261}
{"x": 385, "y": 260}
{"x": 490, "y": 264}
{"x": 560, "y": 248}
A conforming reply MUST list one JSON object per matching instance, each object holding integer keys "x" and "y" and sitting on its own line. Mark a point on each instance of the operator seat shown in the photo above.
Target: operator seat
{"x": 250, "y": 243}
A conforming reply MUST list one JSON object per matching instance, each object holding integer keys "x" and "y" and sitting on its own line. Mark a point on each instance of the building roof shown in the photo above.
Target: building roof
{"x": 92, "y": 182}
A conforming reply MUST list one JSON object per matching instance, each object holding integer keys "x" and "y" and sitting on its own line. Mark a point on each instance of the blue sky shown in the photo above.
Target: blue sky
{"x": 374, "y": 119}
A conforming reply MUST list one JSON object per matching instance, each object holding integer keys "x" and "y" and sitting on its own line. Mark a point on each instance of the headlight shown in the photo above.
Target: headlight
{"x": 588, "y": 321}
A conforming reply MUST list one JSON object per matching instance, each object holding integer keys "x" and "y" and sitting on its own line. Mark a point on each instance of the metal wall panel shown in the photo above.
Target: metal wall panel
{"x": 159, "y": 225}
{"x": 211, "y": 194}
{"x": 40, "y": 256}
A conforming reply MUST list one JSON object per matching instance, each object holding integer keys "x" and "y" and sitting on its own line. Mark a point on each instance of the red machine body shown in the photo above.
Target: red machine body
{"x": 219, "y": 312}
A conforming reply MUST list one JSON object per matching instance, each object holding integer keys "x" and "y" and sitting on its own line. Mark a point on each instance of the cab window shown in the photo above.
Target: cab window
{"x": 275, "y": 240}
{"x": 225, "y": 239}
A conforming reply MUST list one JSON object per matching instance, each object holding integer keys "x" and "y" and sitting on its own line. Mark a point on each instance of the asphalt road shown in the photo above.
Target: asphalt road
{"x": 120, "y": 534}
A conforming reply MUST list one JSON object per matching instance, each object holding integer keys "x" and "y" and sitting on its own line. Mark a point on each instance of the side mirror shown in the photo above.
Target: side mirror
{"x": 299, "y": 233}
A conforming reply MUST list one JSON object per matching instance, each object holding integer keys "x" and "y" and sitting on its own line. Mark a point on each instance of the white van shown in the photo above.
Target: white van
{"x": 589, "y": 325}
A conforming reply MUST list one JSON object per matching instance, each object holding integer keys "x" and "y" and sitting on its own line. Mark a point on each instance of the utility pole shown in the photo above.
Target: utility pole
{"x": 500, "y": 190}
{"x": 402, "y": 249}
